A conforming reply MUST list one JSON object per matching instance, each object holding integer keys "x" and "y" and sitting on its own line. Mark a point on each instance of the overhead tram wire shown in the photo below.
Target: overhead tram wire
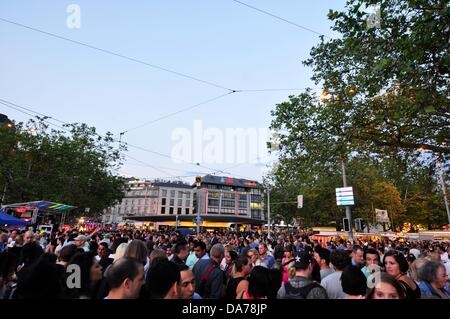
{"x": 118, "y": 55}
{"x": 177, "y": 112}
{"x": 20, "y": 108}
{"x": 280, "y": 18}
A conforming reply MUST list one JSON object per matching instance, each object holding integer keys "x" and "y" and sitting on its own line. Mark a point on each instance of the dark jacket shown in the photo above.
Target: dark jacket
{"x": 209, "y": 279}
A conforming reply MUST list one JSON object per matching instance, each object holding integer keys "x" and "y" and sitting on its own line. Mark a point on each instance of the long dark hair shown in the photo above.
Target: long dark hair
{"x": 85, "y": 261}
{"x": 258, "y": 282}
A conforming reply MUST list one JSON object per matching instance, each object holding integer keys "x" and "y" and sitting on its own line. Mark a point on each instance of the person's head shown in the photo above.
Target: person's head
{"x": 182, "y": 250}
{"x": 217, "y": 252}
{"x": 340, "y": 259}
{"x": 358, "y": 255}
{"x": 66, "y": 253}
{"x": 169, "y": 250}
{"x": 199, "y": 249}
{"x": 258, "y": 282}
{"x": 415, "y": 267}
{"x": 136, "y": 249}
{"x": 262, "y": 248}
{"x": 157, "y": 255}
{"x": 30, "y": 253}
{"x": 395, "y": 263}
{"x": 386, "y": 288}
{"x": 120, "y": 251}
{"x": 13, "y": 234}
{"x": 42, "y": 280}
{"x": 80, "y": 240}
{"x": 242, "y": 265}
{"x": 90, "y": 270}
{"x": 434, "y": 273}
{"x": 186, "y": 286}
{"x": 289, "y": 251}
{"x": 125, "y": 278}
{"x": 353, "y": 281}
{"x": 303, "y": 264}
{"x": 253, "y": 255}
{"x": 230, "y": 257}
{"x": 371, "y": 257}
{"x": 162, "y": 279}
{"x": 322, "y": 256}
{"x": 28, "y": 237}
{"x": 102, "y": 250}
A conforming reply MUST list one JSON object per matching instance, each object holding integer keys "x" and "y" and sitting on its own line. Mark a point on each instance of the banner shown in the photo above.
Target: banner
{"x": 381, "y": 216}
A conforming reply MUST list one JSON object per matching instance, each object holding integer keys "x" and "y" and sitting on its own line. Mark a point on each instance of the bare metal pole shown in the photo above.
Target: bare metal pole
{"x": 348, "y": 212}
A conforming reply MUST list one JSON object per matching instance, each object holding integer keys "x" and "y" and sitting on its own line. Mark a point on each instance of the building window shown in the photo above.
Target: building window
{"x": 164, "y": 193}
{"x": 188, "y": 202}
{"x": 172, "y": 193}
{"x": 187, "y": 211}
{"x": 163, "y": 201}
{"x": 179, "y": 211}
{"x": 171, "y": 210}
{"x": 172, "y": 202}
{"x": 180, "y": 194}
{"x": 163, "y": 210}
{"x": 180, "y": 202}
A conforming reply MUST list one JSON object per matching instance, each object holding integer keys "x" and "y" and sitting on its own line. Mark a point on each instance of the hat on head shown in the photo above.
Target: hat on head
{"x": 81, "y": 237}
{"x": 302, "y": 260}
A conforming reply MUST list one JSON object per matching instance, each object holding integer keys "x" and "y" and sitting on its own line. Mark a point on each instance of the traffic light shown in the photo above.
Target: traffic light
{"x": 362, "y": 224}
{"x": 346, "y": 224}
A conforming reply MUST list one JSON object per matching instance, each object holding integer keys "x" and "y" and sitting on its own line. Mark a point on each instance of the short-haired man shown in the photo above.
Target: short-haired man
{"x": 162, "y": 280}
{"x": 103, "y": 255}
{"x": 181, "y": 252}
{"x": 265, "y": 257}
{"x": 322, "y": 256}
{"x": 186, "y": 286}
{"x": 28, "y": 237}
{"x": 332, "y": 283}
{"x": 208, "y": 275}
{"x": 357, "y": 256}
{"x": 301, "y": 287}
{"x": 372, "y": 259}
{"x": 125, "y": 279}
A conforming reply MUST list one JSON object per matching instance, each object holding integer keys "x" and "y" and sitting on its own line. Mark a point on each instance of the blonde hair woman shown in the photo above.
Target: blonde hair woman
{"x": 255, "y": 258}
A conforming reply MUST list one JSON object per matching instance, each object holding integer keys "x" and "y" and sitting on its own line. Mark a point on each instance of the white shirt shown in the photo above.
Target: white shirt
{"x": 332, "y": 284}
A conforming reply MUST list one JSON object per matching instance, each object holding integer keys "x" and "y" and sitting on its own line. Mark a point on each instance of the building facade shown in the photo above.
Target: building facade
{"x": 145, "y": 198}
{"x": 221, "y": 201}
{"x": 229, "y": 199}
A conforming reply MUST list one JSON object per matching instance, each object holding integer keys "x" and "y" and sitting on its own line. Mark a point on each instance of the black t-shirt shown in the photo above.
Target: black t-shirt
{"x": 230, "y": 293}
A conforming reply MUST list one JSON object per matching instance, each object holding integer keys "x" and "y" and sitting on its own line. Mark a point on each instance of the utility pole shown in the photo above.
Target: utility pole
{"x": 348, "y": 212}
{"x": 198, "y": 183}
{"x": 268, "y": 213}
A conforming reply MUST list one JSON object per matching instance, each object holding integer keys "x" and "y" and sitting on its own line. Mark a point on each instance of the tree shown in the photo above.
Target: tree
{"x": 74, "y": 166}
{"x": 389, "y": 82}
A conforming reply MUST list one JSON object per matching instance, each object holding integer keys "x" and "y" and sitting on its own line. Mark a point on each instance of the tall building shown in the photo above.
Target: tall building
{"x": 221, "y": 201}
{"x": 145, "y": 198}
{"x": 230, "y": 199}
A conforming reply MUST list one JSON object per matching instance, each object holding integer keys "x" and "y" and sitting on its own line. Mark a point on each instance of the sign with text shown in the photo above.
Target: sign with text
{"x": 344, "y": 196}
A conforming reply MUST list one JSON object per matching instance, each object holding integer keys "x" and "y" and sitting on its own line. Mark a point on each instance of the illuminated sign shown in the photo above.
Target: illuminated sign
{"x": 250, "y": 184}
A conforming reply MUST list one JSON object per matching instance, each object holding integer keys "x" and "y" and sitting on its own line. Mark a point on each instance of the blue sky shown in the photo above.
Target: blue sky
{"x": 217, "y": 41}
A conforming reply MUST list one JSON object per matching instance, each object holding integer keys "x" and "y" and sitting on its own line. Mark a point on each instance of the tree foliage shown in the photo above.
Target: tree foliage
{"x": 74, "y": 166}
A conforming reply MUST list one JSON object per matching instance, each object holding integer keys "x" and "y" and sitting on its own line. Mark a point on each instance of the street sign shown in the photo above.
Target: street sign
{"x": 344, "y": 196}
{"x": 198, "y": 220}
{"x": 299, "y": 201}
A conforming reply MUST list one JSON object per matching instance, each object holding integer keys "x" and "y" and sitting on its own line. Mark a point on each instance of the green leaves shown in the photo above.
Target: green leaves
{"x": 72, "y": 168}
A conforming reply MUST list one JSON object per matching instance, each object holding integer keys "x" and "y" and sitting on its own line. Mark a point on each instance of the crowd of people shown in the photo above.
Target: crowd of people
{"x": 132, "y": 264}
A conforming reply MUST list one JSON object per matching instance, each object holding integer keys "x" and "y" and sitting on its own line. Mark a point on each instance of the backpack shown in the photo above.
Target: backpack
{"x": 299, "y": 293}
